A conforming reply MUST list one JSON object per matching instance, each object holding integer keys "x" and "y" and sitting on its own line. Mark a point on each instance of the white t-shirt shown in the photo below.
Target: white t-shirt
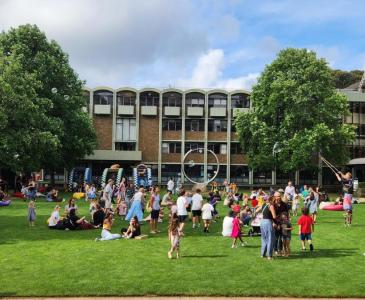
{"x": 197, "y": 202}
{"x": 181, "y": 209}
{"x": 207, "y": 211}
{"x": 290, "y": 190}
{"x": 227, "y": 226}
{"x": 55, "y": 217}
{"x": 170, "y": 185}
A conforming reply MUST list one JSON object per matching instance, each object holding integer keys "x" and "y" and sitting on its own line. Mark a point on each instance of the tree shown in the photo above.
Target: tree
{"x": 343, "y": 79}
{"x": 56, "y": 99}
{"x": 296, "y": 107}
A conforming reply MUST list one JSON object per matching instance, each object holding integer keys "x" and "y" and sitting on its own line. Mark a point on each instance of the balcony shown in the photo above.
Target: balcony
{"x": 149, "y": 110}
{"x": 115, "y": 155}
{"x": 218, "y": 112}
{"x": 102, "y": 109}
{"x": 172, "y": 111}
{"x": 239, "y": 110}
{"x": 195, "y": 111}
{"x": 127, "y": 110}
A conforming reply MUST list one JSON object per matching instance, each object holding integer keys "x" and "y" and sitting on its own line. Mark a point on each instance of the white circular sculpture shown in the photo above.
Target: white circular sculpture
{"x": 191, "y": 163}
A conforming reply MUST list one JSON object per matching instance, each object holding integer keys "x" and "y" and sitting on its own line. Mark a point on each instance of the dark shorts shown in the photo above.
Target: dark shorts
{"x": 182, "y": 219}
{"x": 188, "y": 209}
{"x": 305, "y": 236}
{"x": 286, "y": 237}
{"x": 155, "y": 214}
{"x": 197, "y": 213}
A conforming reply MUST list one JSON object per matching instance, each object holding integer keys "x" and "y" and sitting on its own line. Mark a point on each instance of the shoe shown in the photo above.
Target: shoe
{"x": 304, "y": 249}
{"x": 169, "y": 255}
{"x": 193, "y": 226}
{"x": 234, "y": 246}
{"x": 96, "y": 239}
{"x": 311, "y": 247}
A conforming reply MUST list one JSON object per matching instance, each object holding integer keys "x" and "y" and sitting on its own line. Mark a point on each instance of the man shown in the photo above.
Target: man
{"x": 196, "y": 207}
{"x": 289, "y": 191}
{"x": 107, "y": 194}
{"x": 170, "y": 185}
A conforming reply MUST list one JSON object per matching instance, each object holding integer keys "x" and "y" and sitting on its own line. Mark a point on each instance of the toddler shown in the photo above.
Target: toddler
{"x": 306, "y": 227}
{"x": 286, "y": 229}
{"x": 31, "y": 213}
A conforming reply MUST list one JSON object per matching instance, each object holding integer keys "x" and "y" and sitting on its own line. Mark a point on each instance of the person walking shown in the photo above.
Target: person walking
{"x": 155, "y": 213}
{"x": 196, "y": 207}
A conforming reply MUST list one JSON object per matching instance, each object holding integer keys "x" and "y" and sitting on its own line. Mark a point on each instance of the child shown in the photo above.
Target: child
{"x": 306, "y": 227}
{"x": 207, "y": 215}
{"x": 174, "y": 236}
{"x": 122, "y": 209}
{"x": 295, "y": 204}
{"x": 236, "y": 231}
{"x": 92, "y": 208}
{"x": 31, "y": 213}
{"x": 286, "y": 228}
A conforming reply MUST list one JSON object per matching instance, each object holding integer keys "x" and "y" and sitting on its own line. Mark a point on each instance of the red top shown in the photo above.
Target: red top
{"x": 254, "y": 202}
{"x": 305, "y": 223}
{"x": 236, "y": 208}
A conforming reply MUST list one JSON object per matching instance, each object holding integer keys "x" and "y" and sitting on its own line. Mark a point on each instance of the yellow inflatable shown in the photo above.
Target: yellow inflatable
{"x": 78, "y": 196}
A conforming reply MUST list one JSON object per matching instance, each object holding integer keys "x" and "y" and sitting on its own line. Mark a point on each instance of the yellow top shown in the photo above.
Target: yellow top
{"x": 107, "y": 225}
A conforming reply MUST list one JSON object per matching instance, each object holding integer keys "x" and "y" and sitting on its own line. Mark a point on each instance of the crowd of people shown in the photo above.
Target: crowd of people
{"x": 269, "y": 214}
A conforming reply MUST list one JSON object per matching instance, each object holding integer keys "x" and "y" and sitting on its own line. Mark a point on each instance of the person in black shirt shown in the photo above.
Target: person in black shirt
{"x": 98, "y": 216}
{"x": 280, "y": 208}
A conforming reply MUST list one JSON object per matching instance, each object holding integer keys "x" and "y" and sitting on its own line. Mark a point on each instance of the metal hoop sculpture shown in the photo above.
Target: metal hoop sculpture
{"x": 200, "y": 150}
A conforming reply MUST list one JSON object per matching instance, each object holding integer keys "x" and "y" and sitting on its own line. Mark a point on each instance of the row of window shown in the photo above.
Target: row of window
{"x": 171, "y": 99}
{"x": 216, "y": 125}
{"x": 217, "y": 148}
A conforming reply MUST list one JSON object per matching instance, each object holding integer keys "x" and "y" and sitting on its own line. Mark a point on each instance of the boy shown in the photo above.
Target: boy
{"x": 306, "y": 227}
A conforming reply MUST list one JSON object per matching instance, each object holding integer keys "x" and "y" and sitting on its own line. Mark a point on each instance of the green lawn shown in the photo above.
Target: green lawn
{"x": 41, "y": 262}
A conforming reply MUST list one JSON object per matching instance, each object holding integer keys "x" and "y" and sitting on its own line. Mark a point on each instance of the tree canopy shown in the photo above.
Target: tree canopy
{"x": 343, "y": 79}
{"x": 295, "y": 106}
{"x": 41, "y": 99}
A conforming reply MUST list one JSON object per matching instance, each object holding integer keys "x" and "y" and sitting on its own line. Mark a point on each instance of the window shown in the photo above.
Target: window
{"x": 126, "y": 129}
{"x": 218, "y": 148}
{"x": 126, "y": 98}
{"x": 194, "y": 100}
{"x": 103, "y": 97}
{"x": 262, "y": 177}
{"x": 171, "y": 124}
{"x": 149, "y": 99}
{"x": 193, "y": 146}
{"x": 125, "y": 146}
{"x": 194, "y": 125}
{"x": 240, "y": 101}
{"x": 236, "y": 148}
{"x": 172, "y": 99}
{"x": 239, "y": 174}
{"x": 217, "y": 125}
{"x": 171, "y": 148}
{"x": 217, "y": 100}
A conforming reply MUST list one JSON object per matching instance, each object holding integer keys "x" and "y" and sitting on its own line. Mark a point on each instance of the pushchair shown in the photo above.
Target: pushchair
{"x": 255, "y": 225}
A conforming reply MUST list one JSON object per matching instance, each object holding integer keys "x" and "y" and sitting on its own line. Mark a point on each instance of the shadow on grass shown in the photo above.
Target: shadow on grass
{"x": 325, "y": 253}
{"x": 204, "y": 256}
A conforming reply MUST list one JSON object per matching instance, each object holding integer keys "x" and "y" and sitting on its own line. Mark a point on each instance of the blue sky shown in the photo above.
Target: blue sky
{"x": 186, "y": 43}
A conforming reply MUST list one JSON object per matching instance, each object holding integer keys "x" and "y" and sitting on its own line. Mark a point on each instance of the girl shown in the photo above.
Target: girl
{"x": 31, "y": 213}
{"x": 295, "y": 206}
{"x": 155, "y": 205}
{"x": 71, "y": 205}
{"x": 236, "y": 231}
{"x": 134, "y": 229}
{"x": 55, "y": 218}
{"x": 174, "y": 236}
{"x": 122, "y": 209}
{"x": 286, "y": 228}
{"x": 106, "y": 234}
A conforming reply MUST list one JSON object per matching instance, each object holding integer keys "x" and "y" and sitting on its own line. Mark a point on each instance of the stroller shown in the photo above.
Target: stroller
{"x": 255, "y": 226}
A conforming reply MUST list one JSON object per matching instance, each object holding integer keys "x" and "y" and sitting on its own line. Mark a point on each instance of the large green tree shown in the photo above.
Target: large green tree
{"x": 42, "y": 93}
{"x": 296, "y": 107}
{"x": 343, "y": 79}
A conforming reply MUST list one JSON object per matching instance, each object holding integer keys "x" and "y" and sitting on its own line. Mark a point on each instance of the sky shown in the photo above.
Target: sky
{"x": 191, "y": 43}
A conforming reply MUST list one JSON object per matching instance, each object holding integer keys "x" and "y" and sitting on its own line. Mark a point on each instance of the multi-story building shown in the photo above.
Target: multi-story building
{"x": 157, "y": 127}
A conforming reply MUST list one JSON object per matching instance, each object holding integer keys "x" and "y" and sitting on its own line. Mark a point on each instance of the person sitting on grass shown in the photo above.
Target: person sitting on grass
{"x": 74, "y": 222}
{"x": 98, "y": 216}
{"x": 174, "y": 236}
{"x": 106, "y": 234}
{"x": 55, "y": 218}
{"x": 134, "y": 229}
{"x": 306, "y": 227}
{"x": 70, "y": 206}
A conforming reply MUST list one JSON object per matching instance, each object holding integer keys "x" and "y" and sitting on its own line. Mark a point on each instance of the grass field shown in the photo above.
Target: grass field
{"x": 40, "y": 262}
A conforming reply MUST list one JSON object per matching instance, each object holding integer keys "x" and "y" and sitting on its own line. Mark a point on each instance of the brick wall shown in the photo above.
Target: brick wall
{"x": 172, "y": 157}
{"x": 238, "y": 159}
{"x": 171, "y": 135}
{"x": 104, "y": 129}
{"x": 217, "y": 136}
{"x": 194, "y": 135}
{"x": 148, "y": 138}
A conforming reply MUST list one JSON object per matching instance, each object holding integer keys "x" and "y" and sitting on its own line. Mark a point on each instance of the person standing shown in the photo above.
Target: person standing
{"x": 207, "y": 215}
{"x": 348, "y": 190}
{"x": 170, "y": 185}
{"x": 155, "y": 213}
{"x": 182, "y": 210}
{"x": 108, "y": 194}
{"x": 31, "y": 213}
{"x": 290, "y": 191}
{"x": 267, "y": 228}
{"x": 136, "y": 208}
{"x": 280, "y": 207}
{"x": 174, "y": 236}
{"x": 196, "y": 207}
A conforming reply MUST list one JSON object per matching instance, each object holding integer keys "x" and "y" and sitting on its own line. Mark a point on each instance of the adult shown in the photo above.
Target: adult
{"x": 108, "y": 194}
{"x": 196, "y": 207}
{"x": 347, "y": 190}
{"x": 122, "y": 190}
{"x": 136, "y": 207}
{"x": 75, "y": 222}
{"x": 98, "y": 215}
{"x": 55, "y": 219}
{"x": 31, "y": 190}
{"x": 53, "y": 195}
{"x": 228, "y": 224}
{"x": 312, "y": 205}
{"x": 170, "y": 185}
{"x": 267, "y": 228}
{"x": 129, "y": 193}
{"x": 134, "y": 229}
{"x": 167, "y": 199}
{"x": 207, "y": 215}
{"x": 155, "y": 212}
{"x": 182, "y": 212}
{"x": 70, "y": 205}
{"x": 106, "y": 234}
{"x": 280, "y": 208}
{"x": 289, "y": 191}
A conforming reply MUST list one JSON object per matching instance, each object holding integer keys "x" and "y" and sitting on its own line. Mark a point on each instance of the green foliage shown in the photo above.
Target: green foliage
{"x": 343, "y": 79}
{"x": 49, "y": 127}
{"x": 296, "y": 105}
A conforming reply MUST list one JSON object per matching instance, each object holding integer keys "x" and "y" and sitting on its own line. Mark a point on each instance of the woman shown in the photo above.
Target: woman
{"x": 155, "y": 213}
{"x": 121, "y": 190}
{"x": 136, "y": 208}
{"x": 129, "y": 193}
{"x": 267, "y": 228}
{"x": 98, "y": 215}
{"x": 134, "y": 229}
{"x": 70, "y": 206}
{"x": 106, "y": 234}
{"x": 55, "y": 219}
{"x": 74, "y": 222}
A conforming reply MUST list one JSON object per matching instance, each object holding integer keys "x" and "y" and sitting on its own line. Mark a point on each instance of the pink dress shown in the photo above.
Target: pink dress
{"x": 236, "y": 230}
